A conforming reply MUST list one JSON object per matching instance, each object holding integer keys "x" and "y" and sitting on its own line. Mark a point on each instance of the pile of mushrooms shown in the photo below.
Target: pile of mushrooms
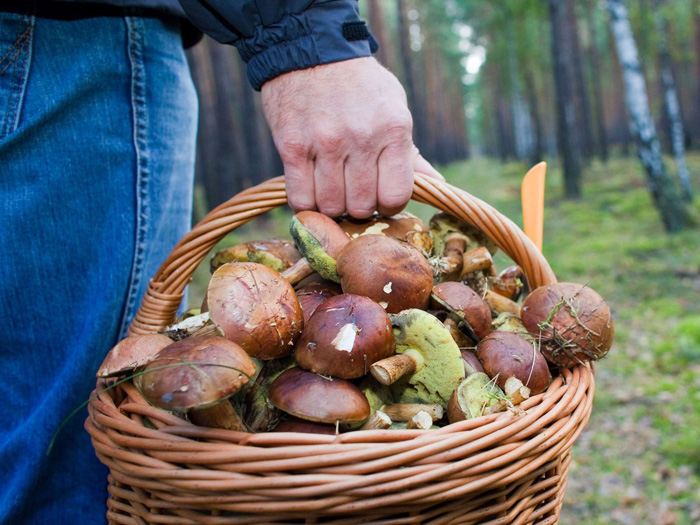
{"x": 383, "y": 323}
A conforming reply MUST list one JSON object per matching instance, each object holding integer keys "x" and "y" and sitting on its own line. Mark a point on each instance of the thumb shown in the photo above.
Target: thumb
{"x": 423, "y": 166}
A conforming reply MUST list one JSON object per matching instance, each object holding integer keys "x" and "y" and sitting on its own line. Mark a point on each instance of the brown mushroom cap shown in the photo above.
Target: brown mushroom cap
{"x": 571, "y": 320}
{"x": 312, "y": 295}
{"x": 325, "y": 230}
{"x": 387, "y": 271}
{"x": 294, "y": 424}
{"x": 403, "y": 226}
{"x": 510, "y": 282}
{"x": 278, "y": 254}
{"x": 344, "y": 337}
{"x": 310, "y": 396}
{"x": 256, "y": 307}
{"x": 505, "y": 355}
{"x": 132, "y": 352}
{"x": 466, "y": 303}
{"x": 194, "y": 373}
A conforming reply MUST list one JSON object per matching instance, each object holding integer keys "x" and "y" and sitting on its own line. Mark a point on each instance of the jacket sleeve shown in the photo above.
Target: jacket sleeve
{"x": 277, "y": 36}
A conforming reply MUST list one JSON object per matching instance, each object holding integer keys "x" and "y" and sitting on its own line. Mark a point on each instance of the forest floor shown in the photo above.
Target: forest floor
{"x": 638, "y": 460}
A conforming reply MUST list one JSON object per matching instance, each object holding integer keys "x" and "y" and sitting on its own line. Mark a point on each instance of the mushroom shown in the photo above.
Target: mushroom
{"x": 197, "y": 375}
{"x": 499, "y": 304}
{"x": 405, "y": 411}
{"x": 255, "y": 307}
{"x": 476, "y": 396}
{"x": 510, "y": 282}
{"x": 571, "y": 321}
{"x": 452, "y": 322}
{"x": 131, "y": 353}
{"x": 428, "y": 365}
{"x": 403, "y": 226}
{"x": 471, "y": 362}
{"x": 320, "y": 240}
{"x": 464, "y": 302}
{"x": 316, "y": 398}
{"x": 294, "y": 424}
{"x": 505, "y": 355}
{"x": 259, "y": 414}
{"x": 237, "y": 253}
{"x": 452, "y": 237}
{"x": 510, "y": 322}
{"x": 392, "y": 273}
{"x": 345, "y": 335}
{"x": 278, "y": 254}
{"x": 312, "y": 295}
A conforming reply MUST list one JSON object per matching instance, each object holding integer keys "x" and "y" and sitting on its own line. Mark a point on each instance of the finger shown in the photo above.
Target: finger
{"x": 395, "y": 178}
{"x": 361, "y": 184}
{"x": 329, "y": 181}
{"x": 298, "y": 178}
{"x": 423, "y": 166}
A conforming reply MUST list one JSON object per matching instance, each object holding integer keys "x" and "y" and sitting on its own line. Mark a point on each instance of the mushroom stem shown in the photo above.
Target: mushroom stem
{"x": 298, "y": 271}
{"x": 221, "y": 415}
{"x": 516, "y": 392}
{"x": 405, "y": 411}
{"x": 452, "y": 255}
{"x": 499, "y": 304}
{"x": 188, "y": 327}
{"x": 389, "y": 370}
{"x": 377, "y": 421}
{"x": 476, "y": 260}
{"x": 421, "y": 421}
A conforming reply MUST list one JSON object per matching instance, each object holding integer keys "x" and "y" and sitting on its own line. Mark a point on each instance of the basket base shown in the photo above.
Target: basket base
{"x": 537, "y": 499}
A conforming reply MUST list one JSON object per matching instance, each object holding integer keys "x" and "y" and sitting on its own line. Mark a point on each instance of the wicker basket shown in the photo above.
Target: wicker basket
{"x": 502, "y": 468}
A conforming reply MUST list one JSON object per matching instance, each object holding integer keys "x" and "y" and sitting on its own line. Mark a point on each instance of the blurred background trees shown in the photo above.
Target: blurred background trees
{"x": 524, "y": 80}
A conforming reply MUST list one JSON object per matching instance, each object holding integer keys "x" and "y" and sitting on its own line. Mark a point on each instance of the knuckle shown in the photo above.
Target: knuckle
{"x": 294, "y": 151}
{"x": 328, "y": 141}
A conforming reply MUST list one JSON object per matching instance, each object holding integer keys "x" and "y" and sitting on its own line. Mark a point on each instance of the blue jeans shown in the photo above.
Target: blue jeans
{"x": 97, "y": 134}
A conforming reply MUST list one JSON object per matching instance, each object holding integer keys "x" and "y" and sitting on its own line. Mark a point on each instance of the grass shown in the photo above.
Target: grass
{"x": 638, "y": 461}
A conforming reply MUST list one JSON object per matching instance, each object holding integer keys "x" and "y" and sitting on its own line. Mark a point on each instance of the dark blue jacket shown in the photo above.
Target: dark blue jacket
{"x": 272, "y": 36}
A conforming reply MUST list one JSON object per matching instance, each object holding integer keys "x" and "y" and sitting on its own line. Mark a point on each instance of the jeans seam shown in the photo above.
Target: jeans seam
{"x": 135, "y": 36}
{"x": 20, "y": 60}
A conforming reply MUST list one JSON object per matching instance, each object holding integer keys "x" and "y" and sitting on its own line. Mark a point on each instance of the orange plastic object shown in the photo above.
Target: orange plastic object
{"x": 532, "y": 196}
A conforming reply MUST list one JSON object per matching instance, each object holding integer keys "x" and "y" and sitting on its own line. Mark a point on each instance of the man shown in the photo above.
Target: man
{"x": 97, "y": 140}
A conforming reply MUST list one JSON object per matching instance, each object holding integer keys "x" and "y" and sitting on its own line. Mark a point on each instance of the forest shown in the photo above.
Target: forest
{"x": 567, "y": 81}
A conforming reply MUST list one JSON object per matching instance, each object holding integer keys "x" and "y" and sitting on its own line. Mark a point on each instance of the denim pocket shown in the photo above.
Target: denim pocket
{"x": 16, "y": 31}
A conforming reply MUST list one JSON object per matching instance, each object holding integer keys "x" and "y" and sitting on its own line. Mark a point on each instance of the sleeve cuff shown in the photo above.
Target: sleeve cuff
{"x": 326, "y": 32}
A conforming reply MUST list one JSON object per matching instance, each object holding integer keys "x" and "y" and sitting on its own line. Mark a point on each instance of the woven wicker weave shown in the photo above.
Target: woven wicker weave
{"x": 502, "y": 468}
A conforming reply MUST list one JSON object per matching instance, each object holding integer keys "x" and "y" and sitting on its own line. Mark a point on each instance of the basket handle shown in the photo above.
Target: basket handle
{"x": 165, "y": 290}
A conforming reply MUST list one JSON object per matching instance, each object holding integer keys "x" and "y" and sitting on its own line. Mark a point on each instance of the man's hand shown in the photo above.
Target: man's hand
{"x": 343, "y": 131}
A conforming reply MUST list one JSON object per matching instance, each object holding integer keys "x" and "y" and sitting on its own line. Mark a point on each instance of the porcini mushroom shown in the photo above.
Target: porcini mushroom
{"x": 320, "y": 240}
{"x": 403, "y": 226}
{"x": 505, "y": 355}
{"x": 464, "y": 302}
{"x": 428, "y": 365}
{"x": 312, "y": 295}
{"x": 392, "y": 273}
{"x": 345, "y": 335}
{"x": 255, "y": 307}
{"x": 278, "y": 254}
{"x": 571, "y": 321}
{"x": 510, "y": 282}
{"x": 131, "y": 353}
{"x": 197, "y": 375}
{"x": 476, "y": 396}
{"x": 316, "y": 398}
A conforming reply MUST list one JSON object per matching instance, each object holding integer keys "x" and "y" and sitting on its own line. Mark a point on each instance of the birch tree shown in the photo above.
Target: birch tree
{"x": 673, "y": 107}
{"x": 667, "y": 199}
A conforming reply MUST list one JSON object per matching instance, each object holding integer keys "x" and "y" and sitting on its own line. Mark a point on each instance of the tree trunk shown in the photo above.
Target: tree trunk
{"x": 583, "y": 115}
{"x": 409, "y": 76}
{"x": 378, "y": 27}
{"x": 568, "y": 138}
{"x": 522, "y": 126}
{"x": 597, "y": 74}
{"x": 667, "y": 200}
{"x": 673, "y": 109}
{"x": 537, "y": 153}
